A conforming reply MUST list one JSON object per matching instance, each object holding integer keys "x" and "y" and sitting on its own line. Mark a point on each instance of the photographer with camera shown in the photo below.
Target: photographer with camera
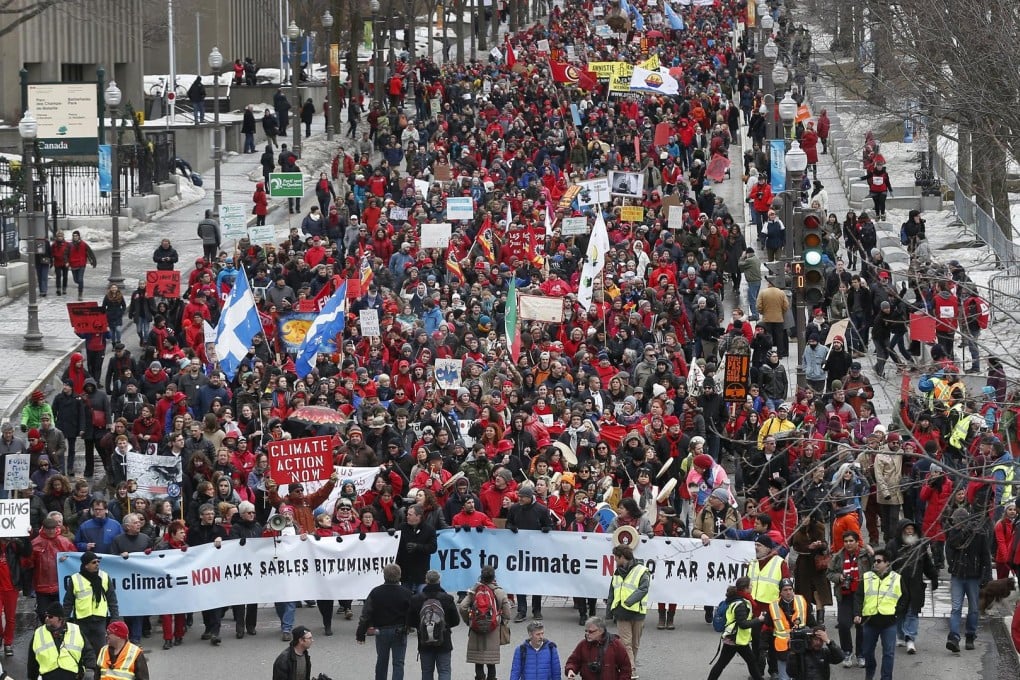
{"x": 599, "y": 656}
{"x": 813, "y": 660}
{"x": 788, "y": 616}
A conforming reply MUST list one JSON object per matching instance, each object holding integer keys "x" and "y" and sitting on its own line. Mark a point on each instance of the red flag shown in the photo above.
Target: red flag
{"x": 564, "y": 73}
{"x": 587, "y": 80}
{"x": 511, "y": 58}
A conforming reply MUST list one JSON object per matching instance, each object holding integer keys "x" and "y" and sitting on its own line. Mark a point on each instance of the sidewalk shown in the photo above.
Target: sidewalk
{"x": 30, "y": 371}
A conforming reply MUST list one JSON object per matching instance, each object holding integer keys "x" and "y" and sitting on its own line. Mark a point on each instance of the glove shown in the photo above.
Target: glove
{"x": 934, "y": 585}
{"x": 479, "y": 529}
{"x": 411, "y": 546}
{"x": 545, "y": 530}
{"x": 24, "y": 428}
{"x": 513, "y": 529}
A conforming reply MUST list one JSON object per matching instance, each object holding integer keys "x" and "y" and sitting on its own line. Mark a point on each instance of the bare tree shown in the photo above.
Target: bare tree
{"x": 14, "y": 13}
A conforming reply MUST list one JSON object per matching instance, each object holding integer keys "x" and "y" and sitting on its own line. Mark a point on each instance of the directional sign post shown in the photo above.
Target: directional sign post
{"x": 286, "y": 185}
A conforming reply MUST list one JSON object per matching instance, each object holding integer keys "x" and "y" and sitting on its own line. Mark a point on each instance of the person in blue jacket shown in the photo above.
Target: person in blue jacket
{"x": 536, "y": 658}
{"x": 97, "y": 534}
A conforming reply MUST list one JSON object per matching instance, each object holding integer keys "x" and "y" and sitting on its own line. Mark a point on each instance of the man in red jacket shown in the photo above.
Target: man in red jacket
{"x": 79, "y": 256}
{"x": 45, "y": 579}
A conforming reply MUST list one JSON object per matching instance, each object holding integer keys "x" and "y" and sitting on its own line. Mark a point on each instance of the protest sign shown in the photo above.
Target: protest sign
{"x": 361, "y": 477}
{"x": 154, "y": 474}
{"x": 448, "y": 373}
{"x": 265, "y": 233}
{"x": 208, "y": 577}
{"x": 436, "y": 235}
{"x": 574, "y": 226}
{"x": 632, "y": 213}
{"x": 17, "y": 467}
{"x": 15, "y": 517}
{"x": 87, "y": 317}
{"x": 676, "y": 217}
{"x": 398, "y": 214}
{"x": 370, "y": 323}
{"x": 922, "y": 327}
{"x": 540, "y": 308}
{"x": 460, "y": 208}
{"x": 594, "y": 191}
{"x": 684, "y": 571}
{"x": 165, "y": 284}
{"x": 309, "y": 459}
{"x": 233, "y": 221}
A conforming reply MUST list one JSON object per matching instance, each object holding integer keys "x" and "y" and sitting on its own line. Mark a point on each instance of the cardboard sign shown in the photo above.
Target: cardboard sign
{"x": 594, "y": 191}
{"x": 265, "y": 233}
{"x": 370, "y": 323}
{"x": 87, "y": 317}
{"x": 448, "y": 373}
{"x": 460, "y": 208}
{"x": 309, "y": 459}
{"x": 436, "y": 235}
{"x": 15, "y": 517}
{"x": 922, "y": 327}
{"x": 17, "y": 467}
{"x": 736, "y": 375}
{"x": 398, "y": 214}
{"x": 442, "y": 171}
{"x": 632, "y": 213}
{"x": 540, "y": 308}
{"x": 574, "y": 226}
{"x": 165, "y": 284}
{"x": 676, "y": 217}
{"x": 543, "y": 46}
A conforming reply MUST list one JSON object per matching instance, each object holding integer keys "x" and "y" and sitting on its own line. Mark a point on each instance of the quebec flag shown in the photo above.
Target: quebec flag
{"x": 330, "y": 321}
{"x": 238, "y": 325}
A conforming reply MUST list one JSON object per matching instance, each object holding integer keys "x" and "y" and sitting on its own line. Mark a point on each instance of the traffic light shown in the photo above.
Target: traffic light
{"x": 812, "y": 238}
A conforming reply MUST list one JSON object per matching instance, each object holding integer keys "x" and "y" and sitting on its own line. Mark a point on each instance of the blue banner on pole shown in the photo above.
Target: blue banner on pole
{"x": 105, "y": 168}
{"x": 777, "y": 166}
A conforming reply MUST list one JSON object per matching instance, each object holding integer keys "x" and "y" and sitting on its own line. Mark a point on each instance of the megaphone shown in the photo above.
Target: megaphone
{"x": 277, "y": 522}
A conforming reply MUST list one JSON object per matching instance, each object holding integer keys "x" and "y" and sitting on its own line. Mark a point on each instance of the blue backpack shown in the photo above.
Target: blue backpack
{"x": 719, "y": 617}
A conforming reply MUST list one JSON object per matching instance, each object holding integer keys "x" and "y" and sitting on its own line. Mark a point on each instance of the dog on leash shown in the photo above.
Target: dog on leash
{"x": 995, "y": 592}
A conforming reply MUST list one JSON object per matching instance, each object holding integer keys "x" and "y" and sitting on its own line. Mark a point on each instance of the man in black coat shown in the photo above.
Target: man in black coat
{"x": 386, "y": 610}
{"x": 295, "y": 663}
{"x": 242, "y": 528}
{"x": 527, "y": 514}
{"x": 435, "y": 657}
{"x": 248, "y": 129}
{"x": 417, "y": 544}
{"x": 813, "y": 663}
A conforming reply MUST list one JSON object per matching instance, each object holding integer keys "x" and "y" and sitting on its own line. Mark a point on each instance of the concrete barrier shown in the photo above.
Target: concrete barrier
{"x": 16, "y": 277}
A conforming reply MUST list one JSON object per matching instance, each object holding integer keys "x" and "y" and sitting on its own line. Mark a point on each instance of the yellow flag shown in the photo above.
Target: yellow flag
{"x": 651, "y": 63}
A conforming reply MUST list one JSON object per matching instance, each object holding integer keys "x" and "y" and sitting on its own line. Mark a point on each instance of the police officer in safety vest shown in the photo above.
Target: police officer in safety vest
{"x": 59, "y": 651}
{"x": 91, "y": 600}
{"x": 765, "y": 573}
{"x": 628, "y": 600}
{"x": 788, "y": 613}
{"x": 120, "y": 659}
{"x": 876, "y": 605}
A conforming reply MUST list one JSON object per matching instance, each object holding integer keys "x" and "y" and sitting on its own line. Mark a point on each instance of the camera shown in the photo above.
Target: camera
{"x": 595, "y": 667}
{"x": 799, "y": 639}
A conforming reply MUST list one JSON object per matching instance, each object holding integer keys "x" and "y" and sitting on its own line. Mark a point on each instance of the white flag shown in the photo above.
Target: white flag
{"x": 595, "y": 261}
{"x": 643, "y": 80}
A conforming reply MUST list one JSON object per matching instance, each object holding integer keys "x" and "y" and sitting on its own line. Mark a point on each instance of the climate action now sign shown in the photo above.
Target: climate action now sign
{"x": 301, "y": 460}
{"x": 286, "y": 184}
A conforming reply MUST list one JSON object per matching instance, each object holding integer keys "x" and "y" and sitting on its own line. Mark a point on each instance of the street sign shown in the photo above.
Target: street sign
{"x": 233, "y": 221}
{"x": 286, "y": 184}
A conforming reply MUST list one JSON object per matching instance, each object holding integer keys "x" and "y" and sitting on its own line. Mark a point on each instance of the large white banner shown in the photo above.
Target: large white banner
{"x": 684, "y": 571}
{"x": 361, "y": 476}
{"x": 263, "y": 569}
{"x": 539, "y": 308}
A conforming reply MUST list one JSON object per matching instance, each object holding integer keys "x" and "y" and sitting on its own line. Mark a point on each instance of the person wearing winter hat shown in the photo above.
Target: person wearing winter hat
{"x": 766, "y": 572}
{"x": 32, "y": 413}
{"x": 295, "y": 657}
{"x": 527, "y": 514}
{"x": 67, "y": 662}
{"x": 120, "y": 658}
{"x": 92, "y": 599}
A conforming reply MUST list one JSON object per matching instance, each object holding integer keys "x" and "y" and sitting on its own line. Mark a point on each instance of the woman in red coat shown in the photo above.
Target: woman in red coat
{"x": 935, "y": 495}
{"x": 261, "y": 200}
{"x": 809, "y": 143}
{"x": 1005, "y": 529}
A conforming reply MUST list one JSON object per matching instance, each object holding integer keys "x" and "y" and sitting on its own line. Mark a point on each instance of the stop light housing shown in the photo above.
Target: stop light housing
{"x": 812, "y": 240}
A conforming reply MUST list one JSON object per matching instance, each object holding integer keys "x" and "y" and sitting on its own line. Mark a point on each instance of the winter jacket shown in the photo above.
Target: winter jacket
{"x": 452, "y": 617}
{"x": 888, "y": 475}
{"x": 968, "y": 551}
{"x": 536, "y": 664}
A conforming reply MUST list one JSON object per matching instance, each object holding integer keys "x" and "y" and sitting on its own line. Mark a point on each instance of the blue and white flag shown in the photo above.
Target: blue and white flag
{"x": 330, "y": 321}
{"x": 675, "y": 22}
{"x": 625, "y": 7}
{"x": 239, "y": 324}
{"x": 639, "y": 21}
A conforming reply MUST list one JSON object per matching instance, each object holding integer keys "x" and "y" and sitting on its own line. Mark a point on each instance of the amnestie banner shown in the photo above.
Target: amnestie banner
{"x": 684, "y": 571}
{"x": 262, "y": 569}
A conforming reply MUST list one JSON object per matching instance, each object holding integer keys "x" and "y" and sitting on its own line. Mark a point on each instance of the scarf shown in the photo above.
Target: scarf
{"x": 96, "y": 581}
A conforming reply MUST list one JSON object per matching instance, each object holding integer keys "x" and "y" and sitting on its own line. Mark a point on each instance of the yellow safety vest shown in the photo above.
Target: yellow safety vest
{"x": 940, "y": 392}
{"x": 765, "y": 582}
{"x": 121, "y": 668}
{"x": 741, "y": 636}
{"x": 624, "y": 587}
{"x": 1009, "y": 473}
{"x": 67, "y": 657}
{"x": 781, "y": 626}
{"x": 958, "y": 436}
{"x": 881, "y": 594}
{"x": 84, "y": 605}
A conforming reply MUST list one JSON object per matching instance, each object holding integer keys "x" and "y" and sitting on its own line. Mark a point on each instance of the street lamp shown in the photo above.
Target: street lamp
{"x": 216, "y": 64}
{"x": 327, "y": 23}
{"x": 771, "y": 49}
{"x": 377, "y": 86}
{"x": 787, "y": 114}
{"x": 112, "y": 97}
{"x": 293, "y": 33}
{"x": 796, "y": 164}
{"x": 780, "y": 75}
{"x": 29, "y": 128}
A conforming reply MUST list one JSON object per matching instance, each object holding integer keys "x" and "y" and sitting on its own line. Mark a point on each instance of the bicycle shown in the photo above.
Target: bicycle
{"x": 159, "y": 89}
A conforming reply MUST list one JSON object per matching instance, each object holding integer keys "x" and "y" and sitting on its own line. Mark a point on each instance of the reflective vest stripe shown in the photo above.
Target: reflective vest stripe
{"x": 765, "y": 582}
{"x": 49, "y": 658}
{"x": 623, "y": 588}
{"x": 84, "y": 605}
{"x": 881, "y": 595}
{"x": 1009, "y": 474}
{"x": 741, "y": 636}
{"x": 122, "y": 668}
{"x": 781, "y": 625}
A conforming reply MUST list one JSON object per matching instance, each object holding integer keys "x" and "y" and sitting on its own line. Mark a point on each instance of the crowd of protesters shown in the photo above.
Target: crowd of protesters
{"x": 584, "y": 411}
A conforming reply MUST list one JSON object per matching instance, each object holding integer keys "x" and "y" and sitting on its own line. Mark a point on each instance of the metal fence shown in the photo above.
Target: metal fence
{"x": 974, "y": 217}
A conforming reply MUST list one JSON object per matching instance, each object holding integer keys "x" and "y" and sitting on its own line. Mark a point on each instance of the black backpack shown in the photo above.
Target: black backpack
{"x": 432, "y": 623}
